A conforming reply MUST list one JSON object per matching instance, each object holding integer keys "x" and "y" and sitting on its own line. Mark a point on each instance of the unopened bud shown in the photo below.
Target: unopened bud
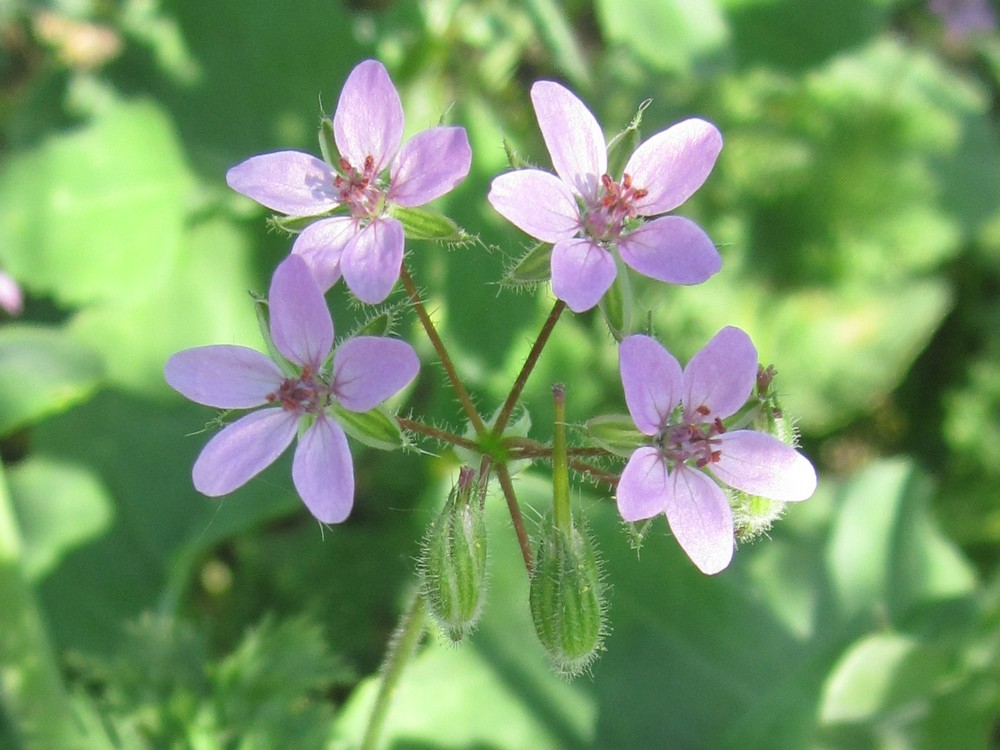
{"x": 453, "y": 561}
{"x": 567, "y": 600}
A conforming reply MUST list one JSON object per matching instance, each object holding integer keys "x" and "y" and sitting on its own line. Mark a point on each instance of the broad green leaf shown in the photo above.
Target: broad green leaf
{"x": 42, "y": 372}
{"x": 671, "y": 35}
{"x": 96, "y": 213}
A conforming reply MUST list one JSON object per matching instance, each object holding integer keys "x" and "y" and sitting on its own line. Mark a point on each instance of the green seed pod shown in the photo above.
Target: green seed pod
{"x": 567, "y": 600}
{"x": 452, "y": 563}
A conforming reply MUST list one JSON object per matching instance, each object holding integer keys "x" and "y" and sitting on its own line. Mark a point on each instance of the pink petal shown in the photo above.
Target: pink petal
{"x": 719, "y": 379}
{"x": 671, "y": 249}
{"x": 572, "y": 136}
{"x": 242, "y": 450}
{"x": 761, "y": 464}
{"x": 701, "y": 519}
{"x": 11, "y": 296}
{"x": 321, "y": 244}
{"x": 301, "y": 327}
{"x": 223, "y": 376}
{"x": 369, "y": 369}
{"x": 323, "y": 472}
{"x": 371, "y": 262}
{"x": 673, "y": 164}
{"x": 581, "y": 273}
{"x": 651, "y": 377}
{"x": 643, "y": 487}
{"x": 291, "y": 182}
{"x": 431, "y": 164}
{"x": 369, "y": 117}
{"x": 536, "y": 202}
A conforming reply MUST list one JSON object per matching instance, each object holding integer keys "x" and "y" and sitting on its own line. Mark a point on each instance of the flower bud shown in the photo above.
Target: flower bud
{"x": 453, "y": 561}
{"x": 567, "y": 600}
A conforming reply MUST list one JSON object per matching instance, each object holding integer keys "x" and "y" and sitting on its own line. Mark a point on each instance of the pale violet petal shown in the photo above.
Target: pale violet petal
{"x": 642, "y": 489}
{"x": 323, "y": 472}
{"x": 369, "y": 117}
{"x": 536, "y": 202}
{"x": 651, "y": 378}
{"x": 301, "y": 326}
{"x": 720, "y": 378}
{"x": 321, "y": 245}
{"x": 223, "y": 376}
{"x": 671, "y": 249}
{"x": 11, "y": 296}
{"x": 581, "y": 273}
{"x": 429, "y": 165}
{"x": 573, "y": 137}
{"x": 701, "y": 519}
{"x": 369, "y": 369}
{"x": 371, "y": 263}
{"x": 290, "y": 182}
{"x": 672, "y": 164}
{"x": 242, "y": 450}
{"x": 761, "y": 464}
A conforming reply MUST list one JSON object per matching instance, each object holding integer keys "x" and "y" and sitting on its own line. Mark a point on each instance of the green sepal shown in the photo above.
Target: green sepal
{"x": 620, "y": 147}
{"x": 519, "y": 425}
{"x": 421, "y": 224}
{"x": 294, "y": 224}
{"x": 263, "y": 313}
{"x": 616, "y": 433}
{"x": 567, "y": 599}
{"x": 378, "y": 325}
{"x": 534, "y": 267}
{"x": 616, "y": 305}
{"x": 515, "y": 160}
{"x": 328, "y": 142}
{"x": 375, "y": 428}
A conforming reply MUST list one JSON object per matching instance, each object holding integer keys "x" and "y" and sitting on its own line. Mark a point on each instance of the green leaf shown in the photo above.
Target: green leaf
{"x": 42, "y": 372}
{"x": 96, "y": 213}
{"x": 375, "y": 428}
{"x": 670, "y": 35}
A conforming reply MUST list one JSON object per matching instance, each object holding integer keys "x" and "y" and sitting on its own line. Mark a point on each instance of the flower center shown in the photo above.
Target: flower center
{"x": 697, "y": 443}
{"x": 304, "y": 394}
{"x": 360, "y": 189}
{"x": 615, "y": 204}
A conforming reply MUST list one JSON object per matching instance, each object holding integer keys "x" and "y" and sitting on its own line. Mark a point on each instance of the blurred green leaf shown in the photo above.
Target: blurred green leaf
{"x": 59, "y": 506}
{"x": 42, "y": 372}
{"x": 671, "y": 35}
{"x": 97, "y": 213}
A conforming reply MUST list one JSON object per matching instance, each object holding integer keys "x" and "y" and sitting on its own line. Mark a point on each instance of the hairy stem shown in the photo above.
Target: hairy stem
{"x": 433, "y": 432}
{"x": 561, "y": 515}
{"x": 449, "y": 367}
{"x": 527, "y": 367}
{"x": 402, "y": 646}
{"x": 503, "y": 475}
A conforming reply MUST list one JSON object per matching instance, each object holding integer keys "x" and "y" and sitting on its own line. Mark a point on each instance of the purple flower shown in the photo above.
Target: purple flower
{"x": 694, "y": 453}
{"x": 964, "y": 18}
{"x": 11, "y": 297}
{"x": 362, "y": 242}
{"x": 364, "y": 372}
{"x": 585, "y": 212}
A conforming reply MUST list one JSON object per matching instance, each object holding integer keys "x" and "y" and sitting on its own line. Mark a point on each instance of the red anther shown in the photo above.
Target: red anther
{"x": 719, "y": 427}
{"x": 345, "y": 166}
{"x": 369, "y": 164}
{"x": 716, "y": 455}
{"x": 626, "y": 181}
{"x": 703, "y": 410}
{"x": 640, "y": 193}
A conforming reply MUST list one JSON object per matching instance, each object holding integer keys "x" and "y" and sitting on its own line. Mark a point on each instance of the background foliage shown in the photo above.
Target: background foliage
{"x": 857, "y": 208}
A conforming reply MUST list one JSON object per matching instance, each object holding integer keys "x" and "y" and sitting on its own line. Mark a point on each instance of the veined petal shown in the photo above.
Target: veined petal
{"x": 371, "y": 262}
{"x": 672, "y": 164}
{"x": 701, "y": 519}
{"x": 581, "y": 273}
{"x": 291, "y": 182}
{"x": 301, "y": 326}
{"x": 573, "y": 137}
{"x": 223, "y": 376}
{"x": 651, "y": 378}
{"x": 761, "y": 464}
{"x": 369, "y": 117}
{"x": 719, "y": 379}
{"x": 369, "y": 369}
{"x": 536, "y": 202}
{"x": 429, "y": 165}
{"x": 671, "y": 249}
{"x": 643, "y": 487}
{"x": 242, "y": 450}
{"x": 323, "y": 472}
{"x": 321, "y": 244}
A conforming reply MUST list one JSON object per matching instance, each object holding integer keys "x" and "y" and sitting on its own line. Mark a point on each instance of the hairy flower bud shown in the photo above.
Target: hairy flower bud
{"x": 453, "y": 561}
{"x": 567, "y": 600}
